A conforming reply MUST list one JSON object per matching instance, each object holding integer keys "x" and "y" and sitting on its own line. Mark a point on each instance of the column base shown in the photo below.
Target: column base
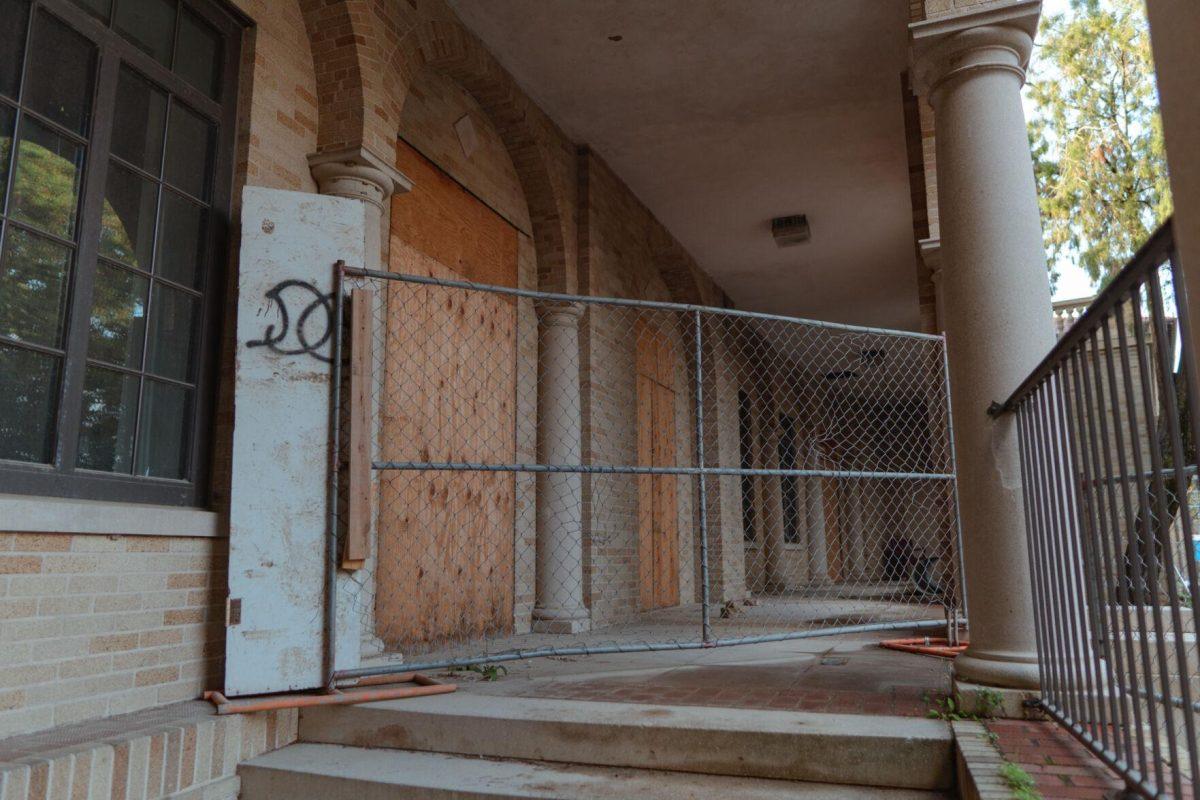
{"x": 997, "y": 669}
{"x": 994, "y": 702}
{"x": 560, "y": 622}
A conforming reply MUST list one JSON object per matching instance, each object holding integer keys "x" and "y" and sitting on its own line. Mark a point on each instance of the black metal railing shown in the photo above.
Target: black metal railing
{"x": 1107, "y": 426}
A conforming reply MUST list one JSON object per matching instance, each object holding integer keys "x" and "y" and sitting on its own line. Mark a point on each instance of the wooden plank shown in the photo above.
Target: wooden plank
{"x": 358, "y": 473}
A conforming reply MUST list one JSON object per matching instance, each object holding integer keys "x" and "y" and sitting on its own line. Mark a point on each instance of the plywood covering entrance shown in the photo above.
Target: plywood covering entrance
{"x": 658, "y": 516}
{"x": 446, "y": 538}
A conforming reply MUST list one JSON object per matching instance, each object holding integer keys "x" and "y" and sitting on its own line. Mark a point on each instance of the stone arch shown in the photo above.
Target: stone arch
{"x": 676, "y": 269}
{"x": 527, "y": 133}
{"x": 340, "y": 40}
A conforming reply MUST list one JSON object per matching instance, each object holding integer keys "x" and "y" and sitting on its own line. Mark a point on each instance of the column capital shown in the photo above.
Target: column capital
{"x": 559, "y": 313}
{"x": 951, "y": 46}
{"x": 357, "y": 173}
{"x": 931, "y": 255}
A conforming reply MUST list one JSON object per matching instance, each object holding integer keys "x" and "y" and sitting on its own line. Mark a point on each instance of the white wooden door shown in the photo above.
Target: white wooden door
{"x": 278, "y": 505}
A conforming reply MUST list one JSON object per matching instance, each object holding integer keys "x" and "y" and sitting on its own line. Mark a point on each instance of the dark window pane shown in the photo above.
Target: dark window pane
{"x": 27, "y": 405}
{"x": 118, "y": 324}
{"x": 127, "y": 222}
{"x": 189, "y": 151}
{"x": 198, "y": 58}
{"x": 138, "y": 123}
{"x": 60, "y": 73}
{"x": 98, "y": 7}
{"x": 8, "y": 116}
{"x": 166, "y": 428}
{"x": 33, "y": 288}
{"x": 45, "y": 190}
{"x": 110, "y": 401}
{"x": 15, "y": 14}
{"x": 172, "y": 333}
{"x": 181, "y": 240}
{"x": 150, "y": 24}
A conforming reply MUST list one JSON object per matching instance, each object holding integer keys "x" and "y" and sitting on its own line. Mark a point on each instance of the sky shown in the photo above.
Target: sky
{"x": 1073, "y": 282}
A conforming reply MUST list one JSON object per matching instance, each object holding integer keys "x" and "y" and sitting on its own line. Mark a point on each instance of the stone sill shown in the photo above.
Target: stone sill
{"x": 32, "y": 514}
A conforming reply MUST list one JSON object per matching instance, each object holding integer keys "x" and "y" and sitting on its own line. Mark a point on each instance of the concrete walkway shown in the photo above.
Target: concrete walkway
{"x": 846, "y": 675}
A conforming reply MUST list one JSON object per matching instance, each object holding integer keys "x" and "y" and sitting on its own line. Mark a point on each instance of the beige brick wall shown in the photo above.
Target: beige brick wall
{"x": 97, "y": 625}
{"x": 188, "y": 755}
{"x": 278, "y": 122}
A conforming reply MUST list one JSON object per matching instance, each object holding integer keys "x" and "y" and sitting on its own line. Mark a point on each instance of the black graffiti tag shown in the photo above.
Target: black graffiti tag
{"x": 311, "y": 304}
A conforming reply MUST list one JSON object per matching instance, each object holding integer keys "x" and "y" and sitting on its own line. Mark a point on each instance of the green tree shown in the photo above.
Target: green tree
{"x": 1097, "y": 136}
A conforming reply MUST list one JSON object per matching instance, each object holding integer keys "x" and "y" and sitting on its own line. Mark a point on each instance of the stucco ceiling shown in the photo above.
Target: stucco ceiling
{"x": 720, "y": 115}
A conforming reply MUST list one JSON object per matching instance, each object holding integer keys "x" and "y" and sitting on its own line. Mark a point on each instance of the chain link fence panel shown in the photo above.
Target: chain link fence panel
{"x": 551, "y": 474}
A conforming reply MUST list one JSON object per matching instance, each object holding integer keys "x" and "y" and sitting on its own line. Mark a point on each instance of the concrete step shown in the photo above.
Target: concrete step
{"x": 333, "y": 772}
{"x": 851, "y": 749}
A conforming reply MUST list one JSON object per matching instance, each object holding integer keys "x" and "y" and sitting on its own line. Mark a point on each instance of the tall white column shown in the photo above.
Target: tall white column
{"x": 996, "y": 296}
{"x": 1174, "y": 31}
{"x": 771, "y": 520}
{"x": 559, "y": 606}
{"x": 856, "y": 556}
{"x": 814, "y": 519}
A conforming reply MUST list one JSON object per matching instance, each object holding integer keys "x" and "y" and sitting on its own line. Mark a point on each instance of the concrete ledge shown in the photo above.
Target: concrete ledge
{"x": 977, "y": 762}
{"x": 33, "y": 514}
{"x": 900, "y": 752}
{"x": 333, "y": 772}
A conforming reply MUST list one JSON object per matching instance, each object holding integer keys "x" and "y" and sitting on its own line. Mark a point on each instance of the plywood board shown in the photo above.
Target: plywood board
{"x": 446, "y": 539}
{"x": 444, "y": 221}
{"x": 658, "y": 515}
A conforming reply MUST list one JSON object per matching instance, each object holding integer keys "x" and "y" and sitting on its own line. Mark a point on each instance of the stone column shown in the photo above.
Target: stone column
{"x": 856, "y": 556}
{"x": 931, "y": 254}
{"x": 559, "y": 605}
{"x": 359, "y": 175}
{"x": 997, "y": 306}
{"x": 774, "y": 573}
{"x": 814, "y": 519}
{"x": 1174, "y": 28}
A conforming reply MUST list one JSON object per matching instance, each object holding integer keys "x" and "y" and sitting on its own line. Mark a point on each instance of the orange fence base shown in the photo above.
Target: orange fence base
{"x": 418, "y": 686}
{"x": 926, "y": 646}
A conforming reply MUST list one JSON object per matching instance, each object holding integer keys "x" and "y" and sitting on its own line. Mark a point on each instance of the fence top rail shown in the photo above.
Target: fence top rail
{"x": 1157, "y": 249}
{"x": 362, "y": 272}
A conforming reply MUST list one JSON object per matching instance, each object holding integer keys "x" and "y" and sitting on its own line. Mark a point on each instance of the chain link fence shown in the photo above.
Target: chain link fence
{"x": 537, "y": 474}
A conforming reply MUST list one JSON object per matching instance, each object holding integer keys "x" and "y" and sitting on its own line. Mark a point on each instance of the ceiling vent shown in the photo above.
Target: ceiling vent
{"x": 789, "y": 231}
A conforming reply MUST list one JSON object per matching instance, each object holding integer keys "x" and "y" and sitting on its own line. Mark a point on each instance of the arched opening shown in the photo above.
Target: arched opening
{"x": 455, "y": 556}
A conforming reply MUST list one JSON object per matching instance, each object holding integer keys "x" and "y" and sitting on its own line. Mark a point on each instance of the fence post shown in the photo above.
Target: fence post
{"x": 705, "y": 621}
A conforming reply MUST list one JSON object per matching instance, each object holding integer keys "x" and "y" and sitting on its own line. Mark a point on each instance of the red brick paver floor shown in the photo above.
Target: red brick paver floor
{"x": 1059, "y": 764}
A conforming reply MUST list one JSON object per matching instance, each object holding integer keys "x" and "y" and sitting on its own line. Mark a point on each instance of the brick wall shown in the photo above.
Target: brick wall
{"x": 98, "y": 625}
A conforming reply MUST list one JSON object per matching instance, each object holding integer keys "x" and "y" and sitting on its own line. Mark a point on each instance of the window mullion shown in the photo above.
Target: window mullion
{"x": 91, "y": 210}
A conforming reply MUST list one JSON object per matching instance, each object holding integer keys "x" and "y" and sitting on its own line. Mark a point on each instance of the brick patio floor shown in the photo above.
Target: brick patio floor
{"x": 1061, "y": 766}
